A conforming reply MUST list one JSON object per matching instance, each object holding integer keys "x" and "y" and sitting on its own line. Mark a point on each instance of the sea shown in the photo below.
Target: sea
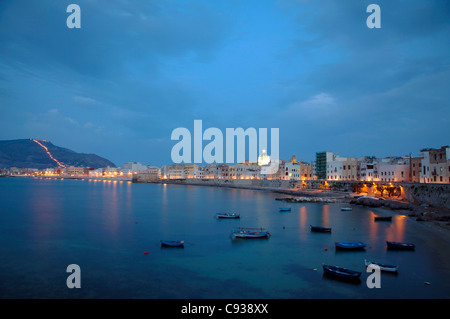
{"x": 112, "y": 231}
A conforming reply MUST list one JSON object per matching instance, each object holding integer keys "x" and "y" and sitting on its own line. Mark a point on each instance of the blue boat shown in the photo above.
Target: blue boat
{"x": 320, "y": 229}
{"x": 341, "y": 272}
{"x": 350, "y": 245}
{"x": 400, "y": 246}
{"x": 228, "y": 215}
{"x": 172, "y": 243}
{"x": 285, "y": 209}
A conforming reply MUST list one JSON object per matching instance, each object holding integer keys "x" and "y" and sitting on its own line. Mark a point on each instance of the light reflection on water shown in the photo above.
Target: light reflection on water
{"x": 105, "y": 226}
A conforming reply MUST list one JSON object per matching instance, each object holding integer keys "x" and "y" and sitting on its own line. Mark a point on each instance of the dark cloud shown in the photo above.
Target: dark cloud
{"x": 138, "y": 69}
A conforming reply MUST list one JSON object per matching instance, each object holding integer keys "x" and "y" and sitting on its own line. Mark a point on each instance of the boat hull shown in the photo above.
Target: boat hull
{"x": 383, "y": 267}
{"x": 285, "y": 209}
{"x": 250, "y": 233}
{"x": 340, "y": 272}
{"x": 172, "y": 243}
{"x": 350, "y": 245}
{"x": 228, "y": 215}
{"x": 400, "y": 246}
{"x": 319, "y": 229}
{"x": 383, "y": 218}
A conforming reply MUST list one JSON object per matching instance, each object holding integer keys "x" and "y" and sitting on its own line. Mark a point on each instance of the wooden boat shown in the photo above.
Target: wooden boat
{"x": 346, "y": 208}
{"x": 383, "y": 218}
{"x": 400, "y": 246}
{"x": 285, "y": 209}
{"x": 350, "y": 245}
{"x": 172, "y": 243}
{"x": 320, "y": 229}
{"x": 228, "y": 215}
{"x": 341, "y": 272}
{"x": 251, "y": 233}
{"x": 383, "y": 267}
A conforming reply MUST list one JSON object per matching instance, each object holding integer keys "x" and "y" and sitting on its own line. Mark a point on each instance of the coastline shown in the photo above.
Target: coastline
{"x": 436, "y": 219}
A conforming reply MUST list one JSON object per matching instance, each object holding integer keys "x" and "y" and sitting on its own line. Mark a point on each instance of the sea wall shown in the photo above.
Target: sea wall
{"x": 432, "y": 194}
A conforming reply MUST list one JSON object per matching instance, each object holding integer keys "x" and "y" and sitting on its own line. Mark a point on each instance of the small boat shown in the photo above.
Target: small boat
{"x": 346, "y": 208}
{"x": 320, "y": 229}
{"x": 383, "y": 267}
{"x": 383, "y": 218}
{"x": 400, "y": 246}
{"x": 172, "y": 243}
{"x": 285, "y": 209}
{"x": 350, "y": 245}
{"x": 240, "y": 232}
{"x": 341, "y": 272}
{"x": 228, "y": 215}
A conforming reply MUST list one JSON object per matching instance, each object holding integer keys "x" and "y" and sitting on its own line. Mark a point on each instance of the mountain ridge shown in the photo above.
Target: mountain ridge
{"x": 40, "y": 154}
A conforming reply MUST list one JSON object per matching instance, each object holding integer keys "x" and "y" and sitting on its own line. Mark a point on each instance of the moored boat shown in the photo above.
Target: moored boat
{"x": 350, "y": 245}
{"x": 240, "y": 232}
{"x": 400, "y": 246}
{"x": 285, "y": 209}
{"x": 383, "y": 267}
{"x": 172, "y": 243}
{"x": 346, "y": 208}
{"x": 228, "y": 215}
{"x": 383, "y": 218}
{"x": 341, "y": 272}
{"x": 320, "y": 229}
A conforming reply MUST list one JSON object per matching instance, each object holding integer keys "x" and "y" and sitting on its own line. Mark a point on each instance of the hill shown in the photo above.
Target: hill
{"x": 40, "y": 154}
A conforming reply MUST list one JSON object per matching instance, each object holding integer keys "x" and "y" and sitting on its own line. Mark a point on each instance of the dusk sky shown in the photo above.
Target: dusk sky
{"x": 137, "y": 70}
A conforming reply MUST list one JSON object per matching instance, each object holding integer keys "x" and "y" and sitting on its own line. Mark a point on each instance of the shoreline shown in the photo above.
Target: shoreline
{"x": 434, "y": 218}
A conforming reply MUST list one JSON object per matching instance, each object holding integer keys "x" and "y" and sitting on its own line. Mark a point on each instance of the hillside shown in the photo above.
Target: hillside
{"x": 31, "y": 153}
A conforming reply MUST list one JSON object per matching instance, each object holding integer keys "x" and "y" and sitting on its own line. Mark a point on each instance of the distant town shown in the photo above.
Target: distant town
{"x": 431, "y": 166}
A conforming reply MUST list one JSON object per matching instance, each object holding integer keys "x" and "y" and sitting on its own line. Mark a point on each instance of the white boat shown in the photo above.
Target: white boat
{"x": 346, "y": 208}
{"x": 240, "y": 232}
{"x": 383, "y": 267}
{"x": 228, "y": 215}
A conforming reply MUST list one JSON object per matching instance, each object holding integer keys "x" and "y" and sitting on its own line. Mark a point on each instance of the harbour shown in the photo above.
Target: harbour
{"x": 113, "y": 231}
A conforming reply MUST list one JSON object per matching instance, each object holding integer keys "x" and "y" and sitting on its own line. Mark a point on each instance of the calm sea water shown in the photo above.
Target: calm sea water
{"x": 105, "y": 227}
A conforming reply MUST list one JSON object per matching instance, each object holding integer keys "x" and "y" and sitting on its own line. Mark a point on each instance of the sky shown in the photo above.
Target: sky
{"x": 136, "y": 70}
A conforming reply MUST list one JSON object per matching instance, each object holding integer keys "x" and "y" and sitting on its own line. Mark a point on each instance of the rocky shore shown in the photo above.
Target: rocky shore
{"x": 437, "y": 218}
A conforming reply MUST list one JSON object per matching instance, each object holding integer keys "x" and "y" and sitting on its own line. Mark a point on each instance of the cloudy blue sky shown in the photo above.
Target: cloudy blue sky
{"x": 136, "y": 70}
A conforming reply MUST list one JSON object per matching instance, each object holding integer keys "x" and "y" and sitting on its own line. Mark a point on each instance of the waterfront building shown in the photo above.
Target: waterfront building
{"x": 175, "y": 171}
{"x": 210, "y": 171}
{"x": 292, "y": 169}
{"x": 305, "y": 171}
{"x": 415, "y": 168}
{"x": 191, "y": 170}
{"x": 134, "y": 167}
{"x": 75, "y": 171}
{"x": 350, "y": 169}
{"x": 393, "y": 169}
{"x": 224, "y": 171}
{"x": 322, "y": 159}
{"x": 153, "y": 170}
{"x": 435, "y": 165}
{"x": 366, "y": 169}
{"x": 244, "y": 171}
{"x": 335, "y": 167}
{"x": 313, "y": 170}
